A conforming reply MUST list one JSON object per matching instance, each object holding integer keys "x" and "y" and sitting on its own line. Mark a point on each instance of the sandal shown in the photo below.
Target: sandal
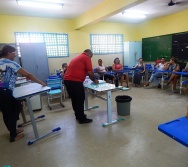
{"x": 18, "y": 137}
{"x": 147, "y": 84}
{"x": 18, "y": 131}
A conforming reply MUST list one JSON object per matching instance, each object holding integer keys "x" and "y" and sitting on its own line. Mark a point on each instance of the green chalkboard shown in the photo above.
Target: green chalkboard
{"x": 154, "y": 48}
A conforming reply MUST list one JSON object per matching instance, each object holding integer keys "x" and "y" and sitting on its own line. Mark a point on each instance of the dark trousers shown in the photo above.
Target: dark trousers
{"x": 77, "y": 94}
{"x": 10, "y": 108}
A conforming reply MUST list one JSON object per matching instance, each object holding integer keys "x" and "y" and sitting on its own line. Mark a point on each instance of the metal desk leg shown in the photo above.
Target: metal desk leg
{"x": 181, "y": 86}
{"x": 25, "y": 122}
{"x": 109, "y": 107}
{"x": 86, "y": 102}
{"x": 23, "y": 116}
{"x": 37, "y": 137}
{"x": 109, "y": 111}
{"x": 162, "y": 81}
{"x": 32, "y": 117}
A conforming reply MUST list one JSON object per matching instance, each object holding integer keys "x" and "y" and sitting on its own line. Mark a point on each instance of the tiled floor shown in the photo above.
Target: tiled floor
{"x": 134, "y": 142}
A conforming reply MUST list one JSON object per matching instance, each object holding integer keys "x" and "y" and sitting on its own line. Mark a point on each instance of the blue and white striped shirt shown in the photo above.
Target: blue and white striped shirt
{"x": 8, "y": 73}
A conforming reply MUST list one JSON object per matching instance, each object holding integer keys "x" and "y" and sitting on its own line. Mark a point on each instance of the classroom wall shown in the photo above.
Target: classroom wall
{"x": 164, "y": 25}
{"x": 79, "y": 40}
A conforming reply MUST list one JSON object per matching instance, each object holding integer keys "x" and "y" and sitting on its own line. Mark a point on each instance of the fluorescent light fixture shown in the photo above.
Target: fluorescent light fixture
{"x": 50, "y": 1}
{"x": 40, "y": 4}
{"x": 134, "y": 14}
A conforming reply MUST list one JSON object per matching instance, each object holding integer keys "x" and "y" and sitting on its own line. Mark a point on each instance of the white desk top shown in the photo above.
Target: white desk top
{"x": 20, "y": 82}
{"x": 29, "y": 90}
{"x": 103, "y": 86}
{"x": 100, "y": 87}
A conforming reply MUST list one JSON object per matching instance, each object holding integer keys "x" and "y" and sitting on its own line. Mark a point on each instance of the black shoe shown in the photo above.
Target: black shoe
{"x": 159, "y": 86}
{"x": 85, "y": 121}
{"x": 85, "y": 115}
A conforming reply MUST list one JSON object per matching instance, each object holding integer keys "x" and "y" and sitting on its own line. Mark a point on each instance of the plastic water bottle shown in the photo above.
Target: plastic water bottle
{"x": 116, "y": 81}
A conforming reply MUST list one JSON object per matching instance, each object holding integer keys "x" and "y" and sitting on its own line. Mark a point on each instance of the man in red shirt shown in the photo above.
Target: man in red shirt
{"x": 78, "y": 69}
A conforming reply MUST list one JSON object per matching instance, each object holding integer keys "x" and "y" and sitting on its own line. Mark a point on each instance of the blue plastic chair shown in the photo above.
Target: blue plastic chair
{"x": 56, "y": 90}
{"x": 96, "y": 73}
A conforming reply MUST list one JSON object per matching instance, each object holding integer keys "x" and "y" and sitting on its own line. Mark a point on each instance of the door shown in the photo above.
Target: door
{"x": 34, "y": 59}
{"x": 41, "y": 61}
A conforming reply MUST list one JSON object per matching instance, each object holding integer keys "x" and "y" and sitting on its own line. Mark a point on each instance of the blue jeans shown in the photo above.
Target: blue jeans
{"x": 155, "y": 77}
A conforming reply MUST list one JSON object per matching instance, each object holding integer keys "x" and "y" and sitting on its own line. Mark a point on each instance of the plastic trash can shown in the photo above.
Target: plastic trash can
{"x": 123, "y": 104}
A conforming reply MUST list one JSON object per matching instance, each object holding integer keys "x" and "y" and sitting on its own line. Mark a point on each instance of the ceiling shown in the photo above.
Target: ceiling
{"x": 154, "y": 9}
{"x": 74, "y": 8}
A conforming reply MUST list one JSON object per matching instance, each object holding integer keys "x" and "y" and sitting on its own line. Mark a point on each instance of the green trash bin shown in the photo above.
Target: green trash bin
{"x": 123, "y": 104}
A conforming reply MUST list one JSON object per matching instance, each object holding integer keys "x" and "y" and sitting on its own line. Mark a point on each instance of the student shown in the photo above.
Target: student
{"x": 101, "y": 70}
{"x": 9, "y": 106}
{"x": 173, "y": 67}
{"x": 185, "y": 90}
{"x": 118, "y": 67}
{"x": 140, "y": 69}
{"x": 155, "y": 75}
{"x": 186, "y": 68}
{"x": 64, "y": 69}
{"x": 79, "y": 67}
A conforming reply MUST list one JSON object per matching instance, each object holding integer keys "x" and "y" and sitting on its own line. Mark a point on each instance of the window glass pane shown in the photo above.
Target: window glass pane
{"x": 106, "y": 43}
{"x": 56, "y": 44}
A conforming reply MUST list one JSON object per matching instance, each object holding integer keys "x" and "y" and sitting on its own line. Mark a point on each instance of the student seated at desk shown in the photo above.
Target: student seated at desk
{"x": 185, "y": 90}
{"x": 63, "y": 70}
{"x": 9, "y": 106}
{"x": 139, "y": 71}
{"x": 101, "y": 70}
{"x": 174, "y": 67}
{"x": 118, "y": 67}
{"x": 155, "y": 75}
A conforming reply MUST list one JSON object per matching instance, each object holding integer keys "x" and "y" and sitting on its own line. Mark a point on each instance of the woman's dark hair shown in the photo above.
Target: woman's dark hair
{"x": 116, "y": 59}
{"x": 174, "y": 59}
{"x": 6, "y": 49}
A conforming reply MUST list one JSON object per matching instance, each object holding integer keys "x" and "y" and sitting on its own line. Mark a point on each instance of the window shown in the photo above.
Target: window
{"x": 56, "y": 44}
{"x": 106, "y": 43}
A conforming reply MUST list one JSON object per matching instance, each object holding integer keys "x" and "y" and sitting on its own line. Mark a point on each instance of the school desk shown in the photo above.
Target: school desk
{"x": 26, "y": 92}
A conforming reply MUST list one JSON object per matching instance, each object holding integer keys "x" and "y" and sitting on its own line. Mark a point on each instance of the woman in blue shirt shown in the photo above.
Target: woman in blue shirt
{"x": 9, "y": 106}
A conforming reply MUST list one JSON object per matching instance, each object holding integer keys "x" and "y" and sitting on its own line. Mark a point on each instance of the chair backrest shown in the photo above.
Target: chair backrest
{"x": 125, "y": 67}
{"x": 54, "y": 83}
{"x": 95, "y": 70}
{"x": 148, "y": 66}
{"x": 53, "y": 77}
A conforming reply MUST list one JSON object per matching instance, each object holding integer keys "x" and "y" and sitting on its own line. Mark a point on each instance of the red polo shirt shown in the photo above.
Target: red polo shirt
{"x": 78, "y": 68}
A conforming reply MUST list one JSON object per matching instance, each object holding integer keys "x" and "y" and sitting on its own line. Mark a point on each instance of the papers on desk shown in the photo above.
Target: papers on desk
{"x": 21, "y": 80}
{"x": 89, "y": 81}
{"x": 100, "y": 82}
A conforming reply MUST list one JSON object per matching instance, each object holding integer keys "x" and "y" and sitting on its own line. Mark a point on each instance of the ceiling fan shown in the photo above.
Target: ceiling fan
{"x": 171, "y": 3}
